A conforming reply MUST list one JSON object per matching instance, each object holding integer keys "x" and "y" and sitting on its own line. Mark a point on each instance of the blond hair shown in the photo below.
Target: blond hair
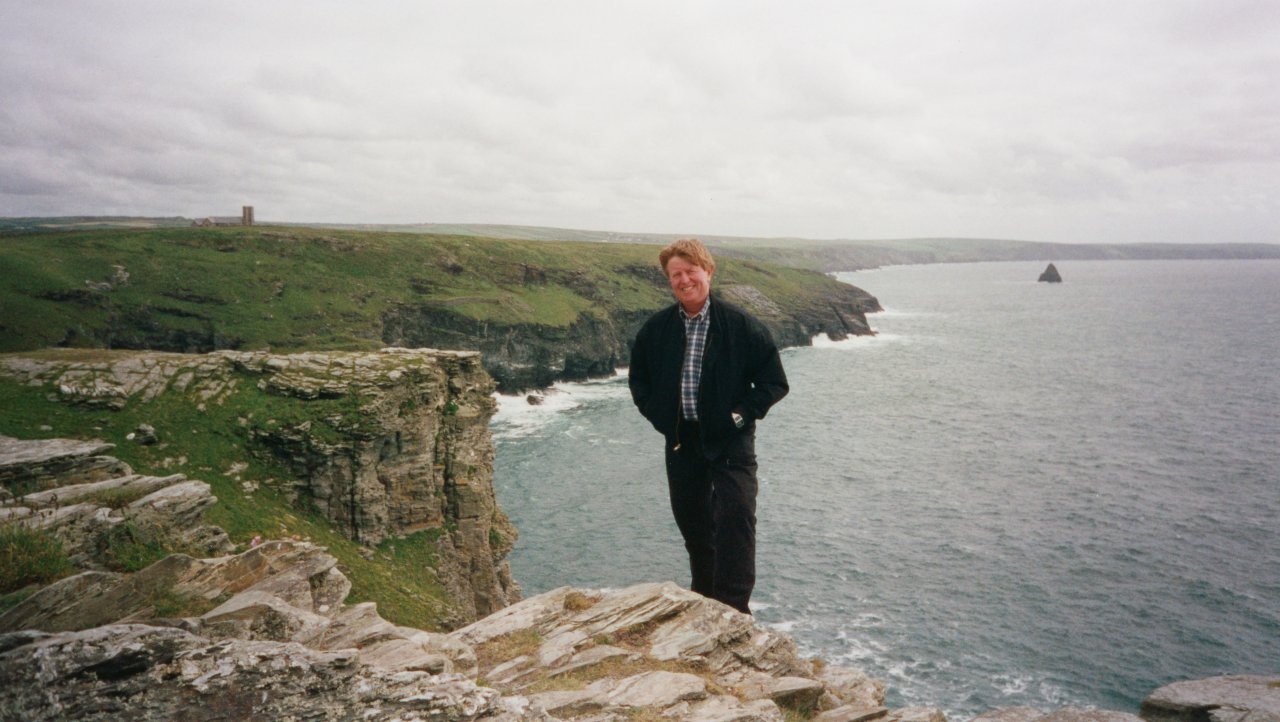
{"x": 691, "y": 250}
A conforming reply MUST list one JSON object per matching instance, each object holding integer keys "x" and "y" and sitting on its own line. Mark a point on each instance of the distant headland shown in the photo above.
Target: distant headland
{"x": 825, "y": 255}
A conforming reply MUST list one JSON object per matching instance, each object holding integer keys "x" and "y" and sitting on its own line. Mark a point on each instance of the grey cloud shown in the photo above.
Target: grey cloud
{"x": 1154, "y": 120}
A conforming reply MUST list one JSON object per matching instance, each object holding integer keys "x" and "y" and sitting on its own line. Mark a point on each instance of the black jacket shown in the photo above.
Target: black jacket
{"x": 741, "y": 371}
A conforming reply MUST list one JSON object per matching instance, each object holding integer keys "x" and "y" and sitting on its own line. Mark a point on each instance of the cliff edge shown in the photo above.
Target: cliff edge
{"x": 391, "y": 449}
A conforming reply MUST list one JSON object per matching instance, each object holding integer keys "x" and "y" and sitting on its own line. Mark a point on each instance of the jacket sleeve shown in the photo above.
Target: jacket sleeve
{"x": 765, "y": 374}
{"x": 639, "y": 375}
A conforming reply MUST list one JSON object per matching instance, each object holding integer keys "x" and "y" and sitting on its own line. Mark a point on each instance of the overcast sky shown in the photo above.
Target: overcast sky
{"x": 1090, "y": 120}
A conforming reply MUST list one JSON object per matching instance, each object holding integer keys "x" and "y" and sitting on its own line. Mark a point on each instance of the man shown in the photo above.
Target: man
{"x": 702, "y": 372}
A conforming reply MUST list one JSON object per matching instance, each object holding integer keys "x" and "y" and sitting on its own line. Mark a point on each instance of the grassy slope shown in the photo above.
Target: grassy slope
{"x": 850, "y": 255}
{"x": 297, "y": 288}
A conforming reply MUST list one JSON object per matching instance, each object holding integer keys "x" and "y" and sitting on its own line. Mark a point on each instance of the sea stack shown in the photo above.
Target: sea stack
{"x": 1050, "y": 275}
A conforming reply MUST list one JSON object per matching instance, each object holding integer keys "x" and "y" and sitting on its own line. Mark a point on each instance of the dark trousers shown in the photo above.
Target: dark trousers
{"x": 714, "y": 502}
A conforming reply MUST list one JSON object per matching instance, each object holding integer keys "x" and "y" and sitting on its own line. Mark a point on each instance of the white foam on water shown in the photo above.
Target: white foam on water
{"x": 893, "y": 312}
{"x": 860, "y": 649}
{"x": 517, "y": 417}
{"x": 854, "y": 343}
{"x": 1011, "y": 684}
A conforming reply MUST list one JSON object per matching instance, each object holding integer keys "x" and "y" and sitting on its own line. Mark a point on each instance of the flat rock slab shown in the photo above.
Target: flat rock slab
{"x": 1236, "y": 698}
{"x": 1076, "y": 714}
{"x": 852, "y": 713}
{"x": 1065, "y": 714}
{"x": 19, "y": 451}
{"x": 1010, "y": 714}
{"x": 55, "y": 462}
{"x": 722, "y": 708}
{"x": 132, "y": 483}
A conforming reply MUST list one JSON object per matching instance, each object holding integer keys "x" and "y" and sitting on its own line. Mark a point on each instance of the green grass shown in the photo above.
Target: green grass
{"x": 13, "y": 599}
{"x": 132, "y": 548}
{"x": 29, "y": 556}
{"x": 288, "y": 288}
{"x": 168, "y": 603}
{"x": 258, "y": 288}
{"x": 116, "y": 498}
{"x": 506, "y": 647}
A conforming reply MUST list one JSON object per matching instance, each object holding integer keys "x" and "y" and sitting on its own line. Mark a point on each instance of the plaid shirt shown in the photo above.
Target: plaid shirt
{"x": 695, "y": 332}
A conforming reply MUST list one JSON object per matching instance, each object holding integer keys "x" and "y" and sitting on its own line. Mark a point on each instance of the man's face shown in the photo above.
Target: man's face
{"x": 689, "y": 282}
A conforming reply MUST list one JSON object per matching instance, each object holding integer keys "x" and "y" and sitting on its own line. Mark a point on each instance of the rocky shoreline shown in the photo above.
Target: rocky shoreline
{"x": 264, "y": 630}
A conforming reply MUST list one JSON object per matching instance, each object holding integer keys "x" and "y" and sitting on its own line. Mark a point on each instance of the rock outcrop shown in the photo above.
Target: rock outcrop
{"x": 397, "y": 442}
{"x": 264, "y": 634}
{"x": 1237, "y": 698}
{"x": 593, "y": 655}
{"x": 278, "y": 591}
{"x": 149, "y": 673}
{"x": 1050, "y": 275}
{"x": 100, "y": 503}
{"x": 47, "y": 463}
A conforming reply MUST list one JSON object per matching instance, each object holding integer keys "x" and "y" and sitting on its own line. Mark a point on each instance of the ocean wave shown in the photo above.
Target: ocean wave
{"x": 822, "y": 340}
{"x": 521, "y": 415}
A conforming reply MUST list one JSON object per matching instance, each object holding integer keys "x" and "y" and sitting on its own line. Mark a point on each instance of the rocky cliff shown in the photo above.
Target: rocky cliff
{"x": 264, "y": 635}
{"x": 522, "y": 356}
{"x": 268, "y": 632}
{"x": 381, "y": 445}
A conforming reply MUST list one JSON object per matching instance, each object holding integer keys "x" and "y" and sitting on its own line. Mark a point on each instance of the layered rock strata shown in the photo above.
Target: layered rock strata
{"x": 100, "y": 499}
{"x": 603, "y": 654}
{"x": 265, "y": 634}
{"x": 399, "y": 441}
{"x": 278, "y": 591}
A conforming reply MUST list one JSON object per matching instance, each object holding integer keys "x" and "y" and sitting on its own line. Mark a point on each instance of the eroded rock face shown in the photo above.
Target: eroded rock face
{"x": 264, "y": 634}
{"x": 584, "y": 654}
{"x": 408, "y": 450}
{"x": 144, "y": 673}
{"x": 279, "y": 591}
{"x": 521, "y": 356}
{"x": 525, "y": 356}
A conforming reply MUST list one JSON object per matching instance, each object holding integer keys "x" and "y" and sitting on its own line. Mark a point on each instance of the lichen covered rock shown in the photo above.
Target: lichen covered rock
{"x": 152, "y": 673}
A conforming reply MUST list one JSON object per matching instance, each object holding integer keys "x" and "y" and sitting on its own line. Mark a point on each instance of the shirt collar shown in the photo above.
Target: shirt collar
{"x": 700, "y": 315}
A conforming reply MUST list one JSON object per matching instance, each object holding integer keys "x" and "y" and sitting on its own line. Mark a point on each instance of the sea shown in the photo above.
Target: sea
{"x": 1015, "y": 493}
